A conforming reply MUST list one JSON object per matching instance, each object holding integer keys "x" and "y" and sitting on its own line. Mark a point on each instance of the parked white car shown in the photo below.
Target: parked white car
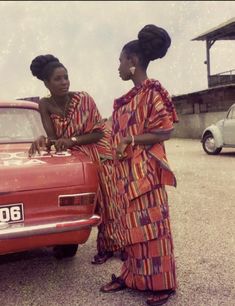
{"x": 220, "y": 135}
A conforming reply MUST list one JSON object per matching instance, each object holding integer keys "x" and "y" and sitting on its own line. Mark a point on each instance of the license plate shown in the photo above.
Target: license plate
{"x": 12, "y": 213}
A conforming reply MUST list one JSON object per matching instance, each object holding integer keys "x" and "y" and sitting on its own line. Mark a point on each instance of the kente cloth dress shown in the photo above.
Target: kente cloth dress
{"x": 83, "y": 117}
{"x": 142, "y": 225}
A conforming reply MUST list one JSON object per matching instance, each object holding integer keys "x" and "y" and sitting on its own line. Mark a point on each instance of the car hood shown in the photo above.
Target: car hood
{"x": 18, "y": 172}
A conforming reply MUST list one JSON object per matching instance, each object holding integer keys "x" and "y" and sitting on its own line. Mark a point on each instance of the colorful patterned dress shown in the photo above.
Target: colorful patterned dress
{"x": 83, "y": 117}
{"x": 107, "y": 209}
{"x": 142, "y": 225}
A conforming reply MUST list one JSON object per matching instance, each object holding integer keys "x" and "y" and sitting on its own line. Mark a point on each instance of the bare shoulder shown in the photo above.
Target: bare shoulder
{"x": 44, "y": 104}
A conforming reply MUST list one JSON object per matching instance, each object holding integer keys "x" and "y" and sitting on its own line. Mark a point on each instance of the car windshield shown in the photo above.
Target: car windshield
{"x": 19, "y": 125}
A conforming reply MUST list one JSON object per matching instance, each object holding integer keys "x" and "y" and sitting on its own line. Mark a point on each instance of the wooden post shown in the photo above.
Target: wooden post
{"x": 208, "y": 45}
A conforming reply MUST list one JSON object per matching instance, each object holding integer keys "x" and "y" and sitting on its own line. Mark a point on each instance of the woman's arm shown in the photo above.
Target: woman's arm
{"x": 143, "y": 139}
{"x": 67, "y": 143}
{"x": 88, "y": 138}
{"x": 148, "y": 138}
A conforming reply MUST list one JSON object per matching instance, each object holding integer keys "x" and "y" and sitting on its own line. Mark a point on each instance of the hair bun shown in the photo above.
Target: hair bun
{"x": 40, "y": 62}
{"x": 154, "y": 41}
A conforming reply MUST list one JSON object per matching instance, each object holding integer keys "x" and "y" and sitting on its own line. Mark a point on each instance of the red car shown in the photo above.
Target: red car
{"x": 47, "y": 200}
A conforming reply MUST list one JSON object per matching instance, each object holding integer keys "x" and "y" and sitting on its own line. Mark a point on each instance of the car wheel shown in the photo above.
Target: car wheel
{"x": 208, "y": 144}
{"x": 64, "y": 251}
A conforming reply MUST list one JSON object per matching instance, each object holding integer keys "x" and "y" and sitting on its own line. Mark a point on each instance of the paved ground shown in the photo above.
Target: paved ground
{"x": 202, "y": 218}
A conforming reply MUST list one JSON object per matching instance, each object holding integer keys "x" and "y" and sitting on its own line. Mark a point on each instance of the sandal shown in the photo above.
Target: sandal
{"x": 160, "y": 297}
{"x": 100, "y": 258}
{"x": 116, "y": 284}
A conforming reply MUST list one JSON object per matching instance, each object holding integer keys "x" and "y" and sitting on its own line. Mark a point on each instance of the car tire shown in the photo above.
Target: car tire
{"x": 209, "y": 145}
{"x": 64, "y": 251}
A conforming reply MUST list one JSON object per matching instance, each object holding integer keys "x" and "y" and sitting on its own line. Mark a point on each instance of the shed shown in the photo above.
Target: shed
{"x": 224, "y": 31}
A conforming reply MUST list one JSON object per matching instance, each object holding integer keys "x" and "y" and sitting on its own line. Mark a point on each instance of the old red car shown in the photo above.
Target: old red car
{"x": 45, "y": 200}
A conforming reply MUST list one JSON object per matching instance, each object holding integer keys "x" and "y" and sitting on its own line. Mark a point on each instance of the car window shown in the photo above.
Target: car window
{"x": 19, "y": 125}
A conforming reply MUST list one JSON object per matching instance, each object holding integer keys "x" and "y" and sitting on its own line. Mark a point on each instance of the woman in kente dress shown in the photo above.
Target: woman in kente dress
{"x": 142, "y": 120}
{"x": 72, "y": 121}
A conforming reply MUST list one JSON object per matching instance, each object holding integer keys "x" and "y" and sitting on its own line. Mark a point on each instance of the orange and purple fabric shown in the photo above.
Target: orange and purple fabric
{"x": 83, "y": 117}
{"x": 142, "y": 225}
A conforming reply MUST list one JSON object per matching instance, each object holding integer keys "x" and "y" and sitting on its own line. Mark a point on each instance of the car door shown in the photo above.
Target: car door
{"x": 229, "y": 128}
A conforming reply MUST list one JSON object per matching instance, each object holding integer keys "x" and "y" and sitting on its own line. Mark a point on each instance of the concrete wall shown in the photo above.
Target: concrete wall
{"x": 198, "y": 110}
{"x": 192, "y": 126}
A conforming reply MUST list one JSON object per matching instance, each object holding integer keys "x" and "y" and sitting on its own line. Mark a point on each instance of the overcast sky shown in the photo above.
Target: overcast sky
{"x": 87, "y": 37}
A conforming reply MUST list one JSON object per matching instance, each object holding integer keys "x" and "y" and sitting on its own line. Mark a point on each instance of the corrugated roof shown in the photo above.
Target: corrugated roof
{"x": 225, "y": 31}
{"x": 199, "y": 92}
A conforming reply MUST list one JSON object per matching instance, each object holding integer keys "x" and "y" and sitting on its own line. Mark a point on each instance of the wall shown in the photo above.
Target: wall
{"x": 192, "y": 126}
{"x": 200, "y": 109}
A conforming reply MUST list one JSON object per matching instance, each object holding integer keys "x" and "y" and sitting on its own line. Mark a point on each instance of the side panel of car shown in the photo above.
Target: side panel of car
{"x": 229, "y": 128}
{"x": 216, "y": 132}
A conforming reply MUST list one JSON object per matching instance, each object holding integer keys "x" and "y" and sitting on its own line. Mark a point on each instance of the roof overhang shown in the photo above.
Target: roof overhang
{"x": 225, "y": 31}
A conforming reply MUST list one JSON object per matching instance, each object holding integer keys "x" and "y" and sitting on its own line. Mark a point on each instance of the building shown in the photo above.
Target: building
{"x": 197, "y": 110}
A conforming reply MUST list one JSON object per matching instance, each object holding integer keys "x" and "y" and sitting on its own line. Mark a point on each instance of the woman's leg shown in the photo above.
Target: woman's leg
{"x": 105, "y": 245}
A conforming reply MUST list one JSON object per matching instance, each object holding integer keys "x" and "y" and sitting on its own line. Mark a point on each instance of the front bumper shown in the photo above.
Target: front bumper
{"x": 13, "y": 231}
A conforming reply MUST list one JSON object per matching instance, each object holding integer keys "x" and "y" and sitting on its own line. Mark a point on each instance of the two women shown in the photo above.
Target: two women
{"x": 142, "y": 120}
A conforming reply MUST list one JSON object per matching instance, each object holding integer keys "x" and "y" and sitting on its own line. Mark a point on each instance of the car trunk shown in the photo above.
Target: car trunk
{"x": 34, "y": 185}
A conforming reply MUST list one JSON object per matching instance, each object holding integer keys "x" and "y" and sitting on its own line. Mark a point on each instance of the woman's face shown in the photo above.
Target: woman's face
{"x": 58, "y": 83}
{"x": 124, "y": 67}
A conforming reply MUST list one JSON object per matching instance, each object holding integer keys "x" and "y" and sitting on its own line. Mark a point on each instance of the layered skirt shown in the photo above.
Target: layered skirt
{"x": 143, "y": 228}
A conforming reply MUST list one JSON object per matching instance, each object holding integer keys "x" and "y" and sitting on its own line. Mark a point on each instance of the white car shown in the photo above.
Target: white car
{"x": 220, "y": 135}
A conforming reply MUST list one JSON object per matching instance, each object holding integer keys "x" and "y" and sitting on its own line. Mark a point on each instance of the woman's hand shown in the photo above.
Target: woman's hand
{"x": 40, "y": 143}
{"x": 63, "y": 144}
{"x": 121, "y": 147}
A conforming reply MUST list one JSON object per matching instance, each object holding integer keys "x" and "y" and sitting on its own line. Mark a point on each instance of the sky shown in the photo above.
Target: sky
{"x": 88, "y": 36}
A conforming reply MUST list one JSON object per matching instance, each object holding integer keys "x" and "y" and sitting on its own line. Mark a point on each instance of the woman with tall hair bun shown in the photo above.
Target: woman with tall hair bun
{"x": 72, "y": 121}
{"x": 142, "y": 120}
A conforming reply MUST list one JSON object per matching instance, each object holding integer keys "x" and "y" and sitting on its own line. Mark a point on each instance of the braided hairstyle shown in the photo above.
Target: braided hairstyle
{"x": 152, "y": 43}
{"x": 43, "y": 66}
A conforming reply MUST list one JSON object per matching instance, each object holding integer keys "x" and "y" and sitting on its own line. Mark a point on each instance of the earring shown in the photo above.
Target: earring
{"x": 132, "y": 70}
